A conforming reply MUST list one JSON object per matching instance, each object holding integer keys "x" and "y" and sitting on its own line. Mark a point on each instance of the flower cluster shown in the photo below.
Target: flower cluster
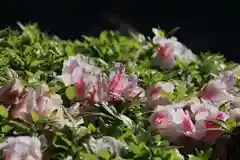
{"x": 191, "y": 119}
{"x": 174, "y": 119}
{"x": 25, "y": 100}
{"x": 95, "y": 86}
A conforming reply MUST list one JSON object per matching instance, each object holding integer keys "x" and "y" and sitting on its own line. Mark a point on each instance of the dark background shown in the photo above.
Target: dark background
{"x": 204, "y": 25}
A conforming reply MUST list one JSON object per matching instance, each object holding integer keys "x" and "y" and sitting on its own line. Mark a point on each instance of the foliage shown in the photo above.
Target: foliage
{"x": 35, "y": 57}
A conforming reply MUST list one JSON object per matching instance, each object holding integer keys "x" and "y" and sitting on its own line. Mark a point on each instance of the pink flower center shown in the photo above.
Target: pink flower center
{"x": 154, "y": 90}
{"x": 164, "y": 51}
{"x": 114, "y": 83}
{"x": 93, "y": 96}
{"x": 72, "y": 66}
{"x": 80, "y": 88}
{"x": 187, "y": 124}
{"x": 159, "y": 118}
{"x": 211, "y": 125}
{"x": 207, "y": 93}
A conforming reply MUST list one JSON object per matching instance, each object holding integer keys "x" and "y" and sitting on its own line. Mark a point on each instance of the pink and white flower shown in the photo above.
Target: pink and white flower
{"x": 10, "y": 92}
{"x": 171, "y": 122}
{"x": 219, "y": 89}
{"x": 39, "y": 101}
{"x": 21, "y": 148}
{"x": 156, "y": 97}
{"x": 167, "y": 49}
{"x": 204, "y": 117}
{"x": 95, "y": 86}
{"x": 193, "y": 120}
{"x": 76, "y": 67}
{"x": 122, "y": 85}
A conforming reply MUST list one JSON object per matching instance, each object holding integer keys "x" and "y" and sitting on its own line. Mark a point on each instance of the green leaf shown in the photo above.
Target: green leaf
{"x": 36, "y": 63}
{"x": 223, "y": 107}
{"x": 231, "y": 124}
{"x": 6, "y": 128}
{"x": 237, "y": 72}
{"x": 158, "y": 32}
{"x": 70, "y": 92}
{"x": 91, "y": 128}
{"x": 105, "y": 155}
{"x": 181, "y": 90}
{"x": 103, "y": 36}
{"x": 135, "y": 148}
{"x": 166, "y": 94}
{"x": 126, "y": 120}
{"x": 88, "y": 156}
{"x": 82, "y": 131}
{"x": 35, "y": 116}
{"x": 158, "y": 138}
{"x": 69, "y": 50}
{"x": 3, "y": 111}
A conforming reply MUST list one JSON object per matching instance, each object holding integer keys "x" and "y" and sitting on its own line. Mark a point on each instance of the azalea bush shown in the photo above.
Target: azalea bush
{"x": 115, "y": 97}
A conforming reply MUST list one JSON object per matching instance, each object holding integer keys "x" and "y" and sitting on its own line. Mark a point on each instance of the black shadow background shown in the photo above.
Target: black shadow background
{"x": 204, "y": 25}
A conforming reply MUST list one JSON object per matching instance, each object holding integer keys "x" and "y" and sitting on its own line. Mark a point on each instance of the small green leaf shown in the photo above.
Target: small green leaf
{"x": 105, "y": 155}
{"x": 231, "y": 124}
{"x": 91, "y": 128}
{"x": 70, "y": 92}
{"x": 158, "y": 138}
{"x": 238, "y": 72}
{"x": 181, "y": 90}
{"x": 3, "y": 111}
{"x": 223, "y": 107}
{"x": 135, "y": 149}
{"x": 158, "y": 32}
{"x": 6, "y": 128}
{"x": 88, "y": 156}
{"x": 82, "y": 131}
{"x": 126, "y": 120}
{"x": 36, "y": 63}
{"x": 35, "y": 116}
{"x": 103, "y": 36}
{"x": 69, "y": 50}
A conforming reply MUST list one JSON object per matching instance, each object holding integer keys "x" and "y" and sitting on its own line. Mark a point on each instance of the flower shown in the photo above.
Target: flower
{"x": 10, "y": 92}
{"x": 171, "y": 121}
{"x": 124, "y": 86}
{"x": 21, "y": 148}
{"x": 92, "y": 85}
{"x": 191, "y": 120}
{"x": 75, "y": 68}
{"x": 155, "y": 94}
{"x": 206, "y": 129}
{"x": 39, "y": 101}
{"x": 167, "y": 49}
{"x": 218, "y": 90}
{"x": 234, "y": 109}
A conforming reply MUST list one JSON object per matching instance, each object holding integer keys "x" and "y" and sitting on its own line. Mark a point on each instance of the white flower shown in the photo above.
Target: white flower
{"x": 167, "y": 49}
{"x": 22, "y": 148}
